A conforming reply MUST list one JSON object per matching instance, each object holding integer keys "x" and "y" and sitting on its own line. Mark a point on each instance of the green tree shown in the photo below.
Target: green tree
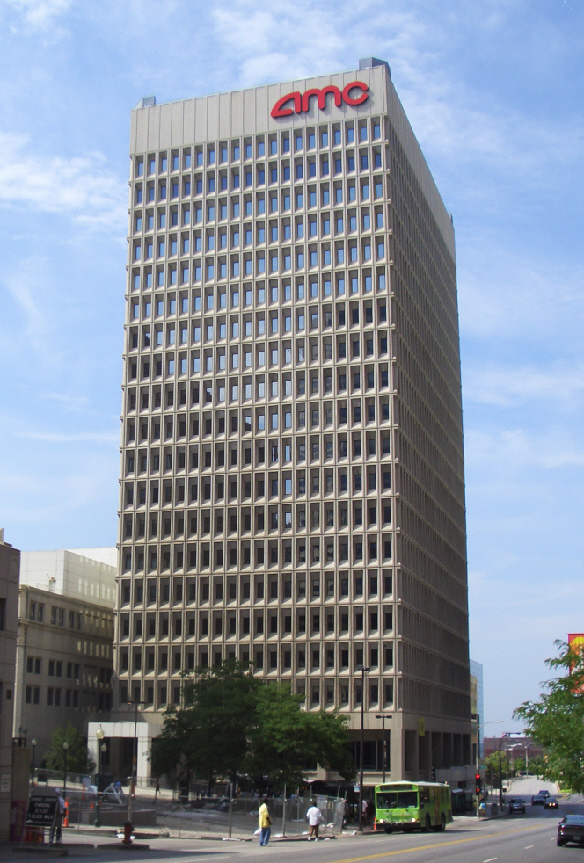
{"x": 208, "y": 734}
{"x": 555, "y": 720}
{"x": 231, "y": 723}
{"x": 536, "y": 765}
{"x": 496, "y": 767}
{"x": 78, "y": 760}
{"x": 285, "y": 740}
{"x": 518, "y": 765}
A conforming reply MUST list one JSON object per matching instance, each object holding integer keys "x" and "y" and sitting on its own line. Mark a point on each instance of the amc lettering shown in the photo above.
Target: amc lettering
{"x": 301, "y": 101}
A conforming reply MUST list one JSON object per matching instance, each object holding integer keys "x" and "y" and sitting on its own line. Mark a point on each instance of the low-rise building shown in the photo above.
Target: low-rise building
{"x": 9, "y": 558}
{"x": 64, "y": 661}
{"x": 514, "y": 746}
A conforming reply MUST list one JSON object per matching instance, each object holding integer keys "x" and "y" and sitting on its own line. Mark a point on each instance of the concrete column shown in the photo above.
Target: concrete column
{"x": 20, "y": 685}
{"x": 124, "y": 730}
{"x": 143, "y": 762}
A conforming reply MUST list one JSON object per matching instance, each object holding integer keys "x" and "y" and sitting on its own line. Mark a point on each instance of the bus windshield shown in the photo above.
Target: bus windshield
{"x": 397, "y": 800}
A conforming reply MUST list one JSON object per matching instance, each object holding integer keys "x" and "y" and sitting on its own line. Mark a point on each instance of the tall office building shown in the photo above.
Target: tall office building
{"x": 9, "y": 565}
{"x": 292, "y": 489}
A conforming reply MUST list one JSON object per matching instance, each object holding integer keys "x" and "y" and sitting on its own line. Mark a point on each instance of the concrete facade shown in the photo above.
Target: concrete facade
{"x": 64, "y": 660}
{"x": 9, "y": 560}
{"x": 477, "y": 709}
{"x": 139, "y": 734}
{"x": 292, "y": 484}
{"x": 87, "y": 574}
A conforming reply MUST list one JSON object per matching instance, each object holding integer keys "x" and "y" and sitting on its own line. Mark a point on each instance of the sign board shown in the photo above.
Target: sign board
{"x": 41, "y": 810}
{"x": 301, "y": 101}
{"x": 5, "y": 783}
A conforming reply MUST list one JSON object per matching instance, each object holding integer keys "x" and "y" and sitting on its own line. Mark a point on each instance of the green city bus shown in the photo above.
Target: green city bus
{"x": 412, "y": 806}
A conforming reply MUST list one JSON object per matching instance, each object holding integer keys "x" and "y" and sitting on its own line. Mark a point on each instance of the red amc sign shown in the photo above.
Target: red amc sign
{"x": 302, "y": 100}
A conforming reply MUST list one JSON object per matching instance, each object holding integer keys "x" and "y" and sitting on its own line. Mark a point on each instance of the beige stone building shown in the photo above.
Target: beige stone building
{"x": 9, "y": 558}
{"x": 292, "y": 486}
{"x": 64, "y": 661}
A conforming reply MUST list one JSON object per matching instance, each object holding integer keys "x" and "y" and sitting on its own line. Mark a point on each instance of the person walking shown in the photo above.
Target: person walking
{"x": 314, "y": 816}
{"x": 56, "y": 832}
{"x": 265, "y": 823}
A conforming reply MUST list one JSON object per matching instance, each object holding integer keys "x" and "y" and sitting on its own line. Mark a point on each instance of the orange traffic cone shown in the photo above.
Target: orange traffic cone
{"x": 66, "y": 813}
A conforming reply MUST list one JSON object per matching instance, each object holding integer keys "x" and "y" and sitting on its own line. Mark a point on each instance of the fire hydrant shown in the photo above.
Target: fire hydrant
{"x": 128, "y": 828}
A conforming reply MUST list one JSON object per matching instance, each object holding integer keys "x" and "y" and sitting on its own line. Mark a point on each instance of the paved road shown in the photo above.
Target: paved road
{"x": 518, "y": 839}
{"x": 528, "y": 785}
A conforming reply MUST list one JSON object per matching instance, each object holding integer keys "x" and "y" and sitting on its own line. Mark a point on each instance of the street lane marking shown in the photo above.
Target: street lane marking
{"x": 528, "y": 846}
{"x": 436, "y": 845}
{"x": 490, "y": 859}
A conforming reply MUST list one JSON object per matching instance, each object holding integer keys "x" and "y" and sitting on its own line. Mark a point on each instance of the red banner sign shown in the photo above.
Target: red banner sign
{"x": 301, "y": 101}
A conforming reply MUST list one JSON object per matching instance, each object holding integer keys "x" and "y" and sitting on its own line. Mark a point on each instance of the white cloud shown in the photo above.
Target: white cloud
{"x": 81, "y": 186}
{"x": 296, "y": 38}
{"x": 39, "y": 14}
{"x": 25, "y": 284}
{"x": 50, "y": 499}
{"x": 58, "y": 437}
{"x": 502, "y": 294}
{"x": 499, "y": 453}
{"x": 72, "y": 404}
{"x": 511, "y": 386}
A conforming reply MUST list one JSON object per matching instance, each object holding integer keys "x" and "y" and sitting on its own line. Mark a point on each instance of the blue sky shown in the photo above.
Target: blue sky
{"x": 494, "y": 93}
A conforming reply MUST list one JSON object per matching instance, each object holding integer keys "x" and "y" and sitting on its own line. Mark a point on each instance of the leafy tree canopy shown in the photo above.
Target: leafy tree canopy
{"x": 556, "y": 720}
{"x": 208, "y": 734}
{"x": 285, "y": 740}
{"x": 78, "y": 760}
{"x": 231, "y": 723}
{"x": 497, "y": 766}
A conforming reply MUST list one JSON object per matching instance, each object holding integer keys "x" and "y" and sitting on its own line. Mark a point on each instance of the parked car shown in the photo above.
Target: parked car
{"x": 515, "y": 804}
{"x": 538, "y": 800}
{"x": 571, "y": 829}
{"x": 550, "y": 803}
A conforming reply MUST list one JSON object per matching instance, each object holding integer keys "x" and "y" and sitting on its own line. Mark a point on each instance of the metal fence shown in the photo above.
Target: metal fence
{"x": 171, "y": 815}
{"x": 54, "y": 779}
{"x": 168, "y": 807}
{"x": 240, "y": 816}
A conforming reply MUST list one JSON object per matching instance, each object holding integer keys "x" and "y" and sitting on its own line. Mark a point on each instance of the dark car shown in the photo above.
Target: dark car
{"x": 515, "y": 804}
{"x": 544, "y": 792}
{"x": 571, "y": 829}
{"x": 538, "y": 800}
{"x": 550, "y": 803}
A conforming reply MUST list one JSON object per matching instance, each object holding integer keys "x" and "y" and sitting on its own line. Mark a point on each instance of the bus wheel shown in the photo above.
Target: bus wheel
{"x": 427, "y": 825}
{"x": 442, "y": 824}
{"x": 388, "y": 828}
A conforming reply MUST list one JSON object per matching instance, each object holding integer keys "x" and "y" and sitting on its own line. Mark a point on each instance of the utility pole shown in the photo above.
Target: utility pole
{"x": 363, "y": 669}
{"x": 132, "y": 789}
{"x": 383, "y": 717}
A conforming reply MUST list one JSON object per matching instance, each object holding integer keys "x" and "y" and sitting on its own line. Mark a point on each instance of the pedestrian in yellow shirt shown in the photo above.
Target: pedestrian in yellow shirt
{"x": 265, "y": 824}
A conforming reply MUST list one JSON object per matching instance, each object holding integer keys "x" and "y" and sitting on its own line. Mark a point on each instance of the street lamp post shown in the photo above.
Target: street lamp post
{"x": 511, "y": 750}
{"x": 501, "y": 770}
{"x": 383, "y": 717}
{"x": 362, "y": 669}
{"x": 65, "y": 752}
{"x": 490, "y": 722}
{"x": 33, "y": 744}
{"x": 132, "y": 789}
{"x": 101, "y": 747}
